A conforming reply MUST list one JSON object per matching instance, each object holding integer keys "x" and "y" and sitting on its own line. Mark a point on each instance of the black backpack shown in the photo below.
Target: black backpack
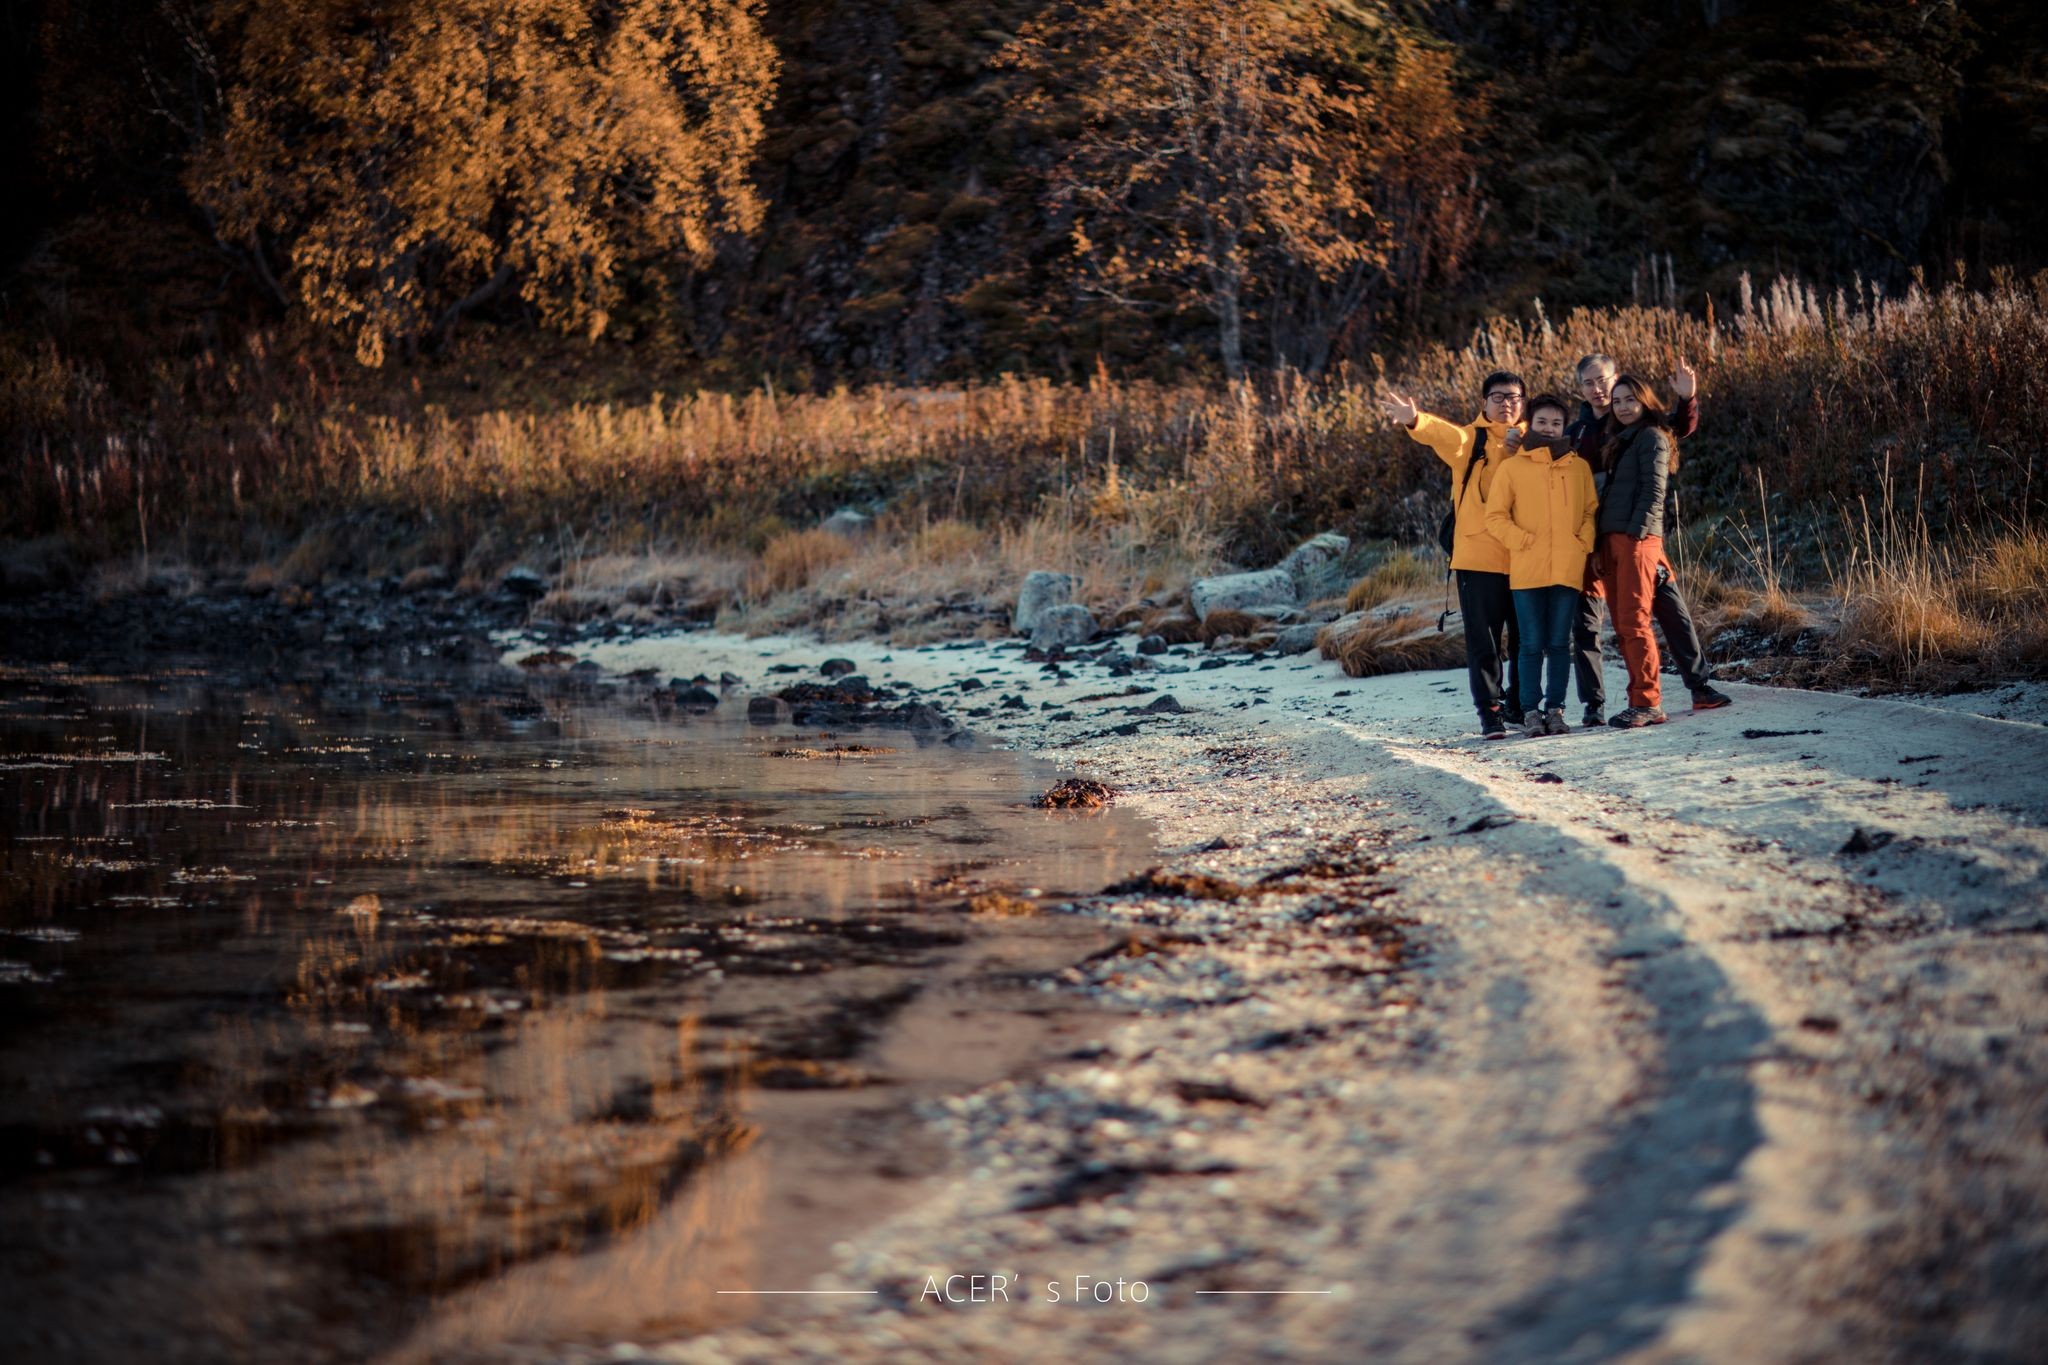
{"x": 1447, "y": 533}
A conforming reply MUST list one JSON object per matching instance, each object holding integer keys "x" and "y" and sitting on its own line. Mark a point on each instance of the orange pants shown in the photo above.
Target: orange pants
{"x": 1629, "y": 574}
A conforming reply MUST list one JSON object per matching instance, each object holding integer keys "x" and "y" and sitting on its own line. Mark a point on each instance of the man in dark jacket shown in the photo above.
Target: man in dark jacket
{"x": 1681, "y": 639}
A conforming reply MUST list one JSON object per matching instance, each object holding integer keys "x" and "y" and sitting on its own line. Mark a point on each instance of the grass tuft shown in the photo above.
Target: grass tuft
{"x": 1369, "y": 647}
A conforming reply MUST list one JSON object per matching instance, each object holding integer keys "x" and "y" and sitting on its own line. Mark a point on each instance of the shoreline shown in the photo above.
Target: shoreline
{"x": 1602, "y": 1043}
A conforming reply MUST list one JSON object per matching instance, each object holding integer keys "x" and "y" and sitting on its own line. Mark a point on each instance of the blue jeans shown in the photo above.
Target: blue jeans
{"x": 1543, "y": 626}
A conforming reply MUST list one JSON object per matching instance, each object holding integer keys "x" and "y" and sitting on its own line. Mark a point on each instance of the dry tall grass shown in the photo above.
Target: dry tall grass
{"x": 1930, "y": 613}
{"x": 1817, "y": 390}
{"x": 710, "y": 502}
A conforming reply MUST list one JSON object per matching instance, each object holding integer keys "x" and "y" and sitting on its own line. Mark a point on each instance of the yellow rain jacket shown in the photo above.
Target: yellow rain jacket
{"x": 1471, "y": 546}
{"x": 1541, "y": 507}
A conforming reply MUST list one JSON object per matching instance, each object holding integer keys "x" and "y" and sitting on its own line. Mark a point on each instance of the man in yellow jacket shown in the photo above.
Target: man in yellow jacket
{"x": 1475, "y": 452}
{"x": 1541, "y": 508}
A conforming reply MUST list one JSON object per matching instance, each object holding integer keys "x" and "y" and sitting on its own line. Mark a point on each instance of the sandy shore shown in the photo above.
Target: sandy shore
{"x": 1717, "y": 1040}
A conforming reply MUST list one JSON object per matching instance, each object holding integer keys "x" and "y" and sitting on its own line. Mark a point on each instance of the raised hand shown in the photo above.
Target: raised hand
{"x": 1512, "y": 439}
{"x": 1399, "y": 410}
{"x": 1684, "y": 382}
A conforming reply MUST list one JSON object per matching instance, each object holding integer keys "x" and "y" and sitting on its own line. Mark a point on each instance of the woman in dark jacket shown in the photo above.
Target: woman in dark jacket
{"x": 1636, "y": 452}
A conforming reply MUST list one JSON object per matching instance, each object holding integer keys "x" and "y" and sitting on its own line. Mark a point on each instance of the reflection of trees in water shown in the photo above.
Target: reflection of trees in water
{"x": 483, "y": 1140}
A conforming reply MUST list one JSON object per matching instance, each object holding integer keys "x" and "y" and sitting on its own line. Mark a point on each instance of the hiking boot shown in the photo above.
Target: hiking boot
{"x": 1532, "y": 724}
{"x": 1636, "y": 717}
{"x": 1492, "y": 725}
{"x": 1594, "y": 718}
{"x": 1706, "y": 697}
{"x": 1513, "y": 714}
{"x": 1553, "y": 722}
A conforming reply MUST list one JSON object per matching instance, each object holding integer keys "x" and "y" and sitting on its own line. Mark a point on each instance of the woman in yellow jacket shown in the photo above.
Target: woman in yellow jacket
{"x": 1475, "y": 452}
{"x": 1540, "y": 508}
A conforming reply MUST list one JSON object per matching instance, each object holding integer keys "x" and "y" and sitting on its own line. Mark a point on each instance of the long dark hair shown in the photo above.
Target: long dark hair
{"x": 1655, "y": 414}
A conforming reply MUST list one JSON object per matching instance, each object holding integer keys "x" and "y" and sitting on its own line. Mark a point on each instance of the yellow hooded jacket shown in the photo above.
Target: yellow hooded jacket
{"x": 1471, "y": 547}
{"x": 1541, "y": 507}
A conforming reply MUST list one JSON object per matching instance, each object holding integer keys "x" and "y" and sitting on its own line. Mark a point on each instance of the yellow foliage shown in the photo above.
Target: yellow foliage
{"x": 417, "y": 156}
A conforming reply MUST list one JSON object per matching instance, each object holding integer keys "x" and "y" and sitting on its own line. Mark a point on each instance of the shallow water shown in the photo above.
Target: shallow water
{"x": 453, "y": 1015}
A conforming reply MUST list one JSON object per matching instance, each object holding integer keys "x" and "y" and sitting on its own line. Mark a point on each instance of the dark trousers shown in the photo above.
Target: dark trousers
{"x": 1491, "y": 639}
{"x": 1674, "y": 619}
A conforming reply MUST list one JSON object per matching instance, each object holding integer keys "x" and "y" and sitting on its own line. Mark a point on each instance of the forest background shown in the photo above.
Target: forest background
{"x": 641, "y": 293}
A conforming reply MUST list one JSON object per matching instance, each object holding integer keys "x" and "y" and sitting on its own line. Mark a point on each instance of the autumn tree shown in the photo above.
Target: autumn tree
{"x": 1208, "y": 140}
{"x": 405, "y": 160}
{"x": 1236, "y": 150}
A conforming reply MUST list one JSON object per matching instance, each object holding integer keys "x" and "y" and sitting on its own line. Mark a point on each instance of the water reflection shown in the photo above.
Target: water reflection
{"x": 348, "y": 1012}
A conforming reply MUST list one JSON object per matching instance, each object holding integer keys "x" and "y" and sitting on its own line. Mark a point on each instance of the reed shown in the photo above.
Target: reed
{"x": 262, "y": 457}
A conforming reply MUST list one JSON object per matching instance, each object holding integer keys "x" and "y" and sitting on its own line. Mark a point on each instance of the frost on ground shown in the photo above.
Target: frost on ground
{"x": 1711, "y": 1041}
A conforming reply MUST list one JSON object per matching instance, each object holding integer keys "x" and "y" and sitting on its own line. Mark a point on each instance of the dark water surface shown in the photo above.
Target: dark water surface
{"x": 352, "y": 1016}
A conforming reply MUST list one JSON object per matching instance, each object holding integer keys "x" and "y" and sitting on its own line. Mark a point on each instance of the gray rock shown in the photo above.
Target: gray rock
{"x": 1168, "y": 705}
{"x": 923, "y": 717}
{"x": 522, "y": 581}
{"x": 426, "y": 578}
{"x": 833, "y": 668}
{"x": 697, "y": 698}
{"x": 1243, "y": 591}
{"x": 1347, "y": 623}
{"x": 1315, "y": 565}
{"x": 849, "y": 523}
{"x": 1297, "y": 639}
{"x": 1041, "y": 591}
{"x": 1152, "y": 644}
{"x": 1062, "y": 626}
{"x": 766, "y": 710}
{"x": 730, "y": 680}
{"x": 35, "y": 566}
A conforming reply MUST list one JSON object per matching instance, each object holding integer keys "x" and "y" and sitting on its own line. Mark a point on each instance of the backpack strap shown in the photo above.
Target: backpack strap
{"x": 1478, "y": 454}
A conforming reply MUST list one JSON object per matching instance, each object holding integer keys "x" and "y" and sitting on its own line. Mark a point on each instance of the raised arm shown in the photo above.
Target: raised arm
{"x": 1448, "y": 440}
{"x": 1685, "y": 411}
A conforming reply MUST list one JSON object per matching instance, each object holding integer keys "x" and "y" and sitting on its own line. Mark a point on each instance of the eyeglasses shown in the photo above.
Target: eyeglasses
{"x": 1505, "y": 396}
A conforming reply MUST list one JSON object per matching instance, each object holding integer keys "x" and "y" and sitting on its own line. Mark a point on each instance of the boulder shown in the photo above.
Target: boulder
{"x": 426, "y": 578}
{"x": 730, "y": 680}
{"x": 697, "y": 698}
{"x": 522, "y": 581}
{"x": 34, "y": 566}
{"x": 1315, "y": 565}
{"x": 1040, "y": 592}
{"x": 847, "y": 522}
{"x": 765, "y": 711}
{"x": 1243, "y": 592}
{"x": 1167, "y": 705}
{"x": 833, "y": 668}
{"x": 1152, "y": 644}
{"x": 928, "y": 718}
{"x": 1296, "y": 639}
{"x": 1062, "y": 627}
{"x": 1347, "y": 623}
